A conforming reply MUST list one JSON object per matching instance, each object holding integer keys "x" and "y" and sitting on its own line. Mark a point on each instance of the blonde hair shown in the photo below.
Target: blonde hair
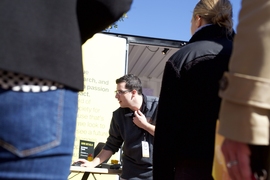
{"x": 215, "y": 12}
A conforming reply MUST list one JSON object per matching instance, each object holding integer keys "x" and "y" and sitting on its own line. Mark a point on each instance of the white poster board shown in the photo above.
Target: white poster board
{"x": 104, "y": 60}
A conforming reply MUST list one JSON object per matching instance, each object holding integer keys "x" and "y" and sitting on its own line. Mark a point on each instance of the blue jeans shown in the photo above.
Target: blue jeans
{"x": 37, "y": 132}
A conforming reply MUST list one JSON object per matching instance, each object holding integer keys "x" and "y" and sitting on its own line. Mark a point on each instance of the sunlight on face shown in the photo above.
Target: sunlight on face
{"x": 123, "y": 98}
{"x": 193, "y": 27}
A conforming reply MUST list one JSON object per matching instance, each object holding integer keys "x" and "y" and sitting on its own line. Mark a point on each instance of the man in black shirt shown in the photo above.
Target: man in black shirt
{"x": 133, "y": 124}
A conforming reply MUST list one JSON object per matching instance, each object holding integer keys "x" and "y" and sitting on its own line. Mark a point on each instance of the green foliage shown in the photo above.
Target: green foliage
{"x": 115, "y": 25}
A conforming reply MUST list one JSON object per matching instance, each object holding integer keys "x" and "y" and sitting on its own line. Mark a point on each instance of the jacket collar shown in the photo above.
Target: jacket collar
{"x": 210, "y": 32}
{"x": 144, "y": 108}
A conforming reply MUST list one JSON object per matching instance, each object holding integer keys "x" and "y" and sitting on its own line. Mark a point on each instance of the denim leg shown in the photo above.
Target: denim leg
{"x": 37, "y": 132}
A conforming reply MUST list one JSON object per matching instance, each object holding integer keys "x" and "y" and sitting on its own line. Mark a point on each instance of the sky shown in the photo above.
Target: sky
{"x": 165, "y": 19}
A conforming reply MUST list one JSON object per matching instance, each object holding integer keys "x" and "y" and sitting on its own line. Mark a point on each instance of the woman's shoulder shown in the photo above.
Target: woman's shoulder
{"x": 195, "y": 49}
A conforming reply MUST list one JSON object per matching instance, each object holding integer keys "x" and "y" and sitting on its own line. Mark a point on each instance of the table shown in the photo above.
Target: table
{"x": 93, "y": 171}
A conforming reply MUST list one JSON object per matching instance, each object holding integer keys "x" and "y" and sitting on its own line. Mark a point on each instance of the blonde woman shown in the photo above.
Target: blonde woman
{"x": 189, "y": 102}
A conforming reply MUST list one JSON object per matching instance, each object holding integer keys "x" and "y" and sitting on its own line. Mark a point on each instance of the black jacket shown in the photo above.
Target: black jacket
{"x": 189, "y": 102}
{"x": 123, "y": 130}
{"x": 42, "y": 38}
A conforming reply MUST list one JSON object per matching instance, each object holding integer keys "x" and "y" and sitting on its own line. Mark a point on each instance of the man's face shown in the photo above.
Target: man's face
{"x": 123, "y": 95}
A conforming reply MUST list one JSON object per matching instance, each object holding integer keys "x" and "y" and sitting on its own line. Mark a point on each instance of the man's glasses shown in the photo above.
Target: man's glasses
{"x": 119, "y": 92}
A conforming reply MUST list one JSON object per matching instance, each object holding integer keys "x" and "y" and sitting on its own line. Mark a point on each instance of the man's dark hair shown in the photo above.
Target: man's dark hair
{"x": 132, "y": 82}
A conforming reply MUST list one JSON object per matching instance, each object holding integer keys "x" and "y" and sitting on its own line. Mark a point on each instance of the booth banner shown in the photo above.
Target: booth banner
{"x": 219, "y": 165}
{"x": 104, "y": 60}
